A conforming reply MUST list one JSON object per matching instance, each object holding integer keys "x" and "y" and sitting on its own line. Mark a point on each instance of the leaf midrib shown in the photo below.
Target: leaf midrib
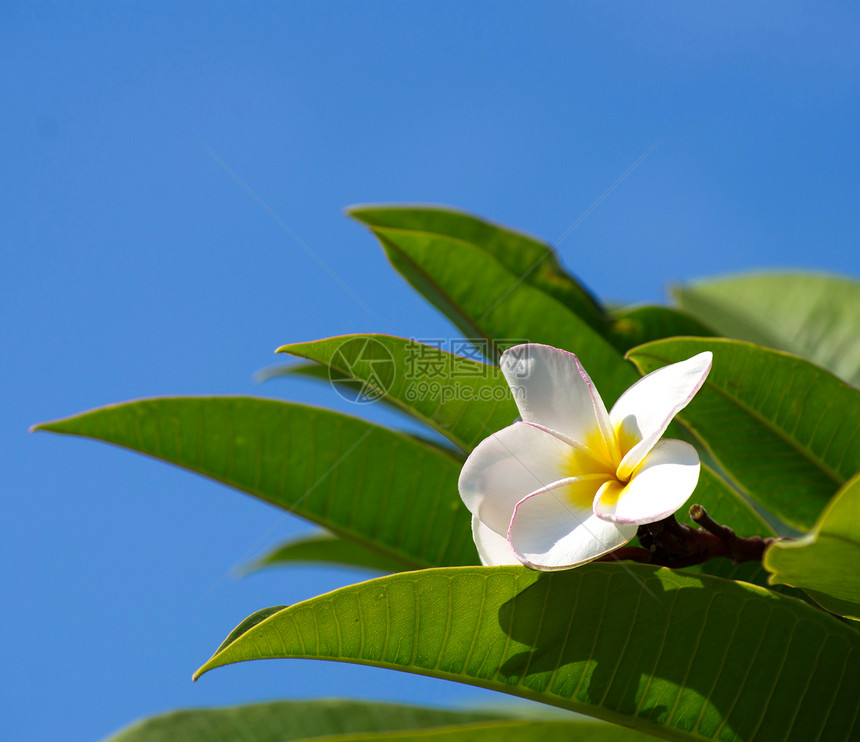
{"x": 782, "y": 435}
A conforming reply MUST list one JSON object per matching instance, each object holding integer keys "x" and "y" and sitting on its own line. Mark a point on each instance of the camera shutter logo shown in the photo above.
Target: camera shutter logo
{"x": 362, "y": 370}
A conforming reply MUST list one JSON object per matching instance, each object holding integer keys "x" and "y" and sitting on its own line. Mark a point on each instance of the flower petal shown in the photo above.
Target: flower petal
{"x": 551, "y": 388}
{"x": 507, "y": 466}
{"x": 547, "y": 533}
{"x": 644, "y": 411}
{"x": 493, "y": 549}
{"x": 662, "y": 484}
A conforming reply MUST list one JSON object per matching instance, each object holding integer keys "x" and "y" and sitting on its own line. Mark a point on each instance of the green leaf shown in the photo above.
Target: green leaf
{"x": 325, "y": 548}
{"x": 814, "y": 316}
{"x": 827, "y": 561}
{"x": 677, "y": 655}
{"x": 249, "y": 623}
{"x": 358, "y": 480}
{"x": 282, "y": 721}
{"x": 462, "y": 399}
{"x": 783, "y": 428}
{"x": 635, "y": 326}
{"x": 844, "y": 608}
{"x": 520, "y": 254}
{"x": 486, "y": 300}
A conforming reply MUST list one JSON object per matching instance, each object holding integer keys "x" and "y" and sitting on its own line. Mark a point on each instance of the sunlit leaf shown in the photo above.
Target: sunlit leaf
{"x": 814, "y": 316}
{"x": 463, "y": 399}
{"x": 485, "y": 300}
{"x": 358, "y": 480}
{"x": 678, "y": 655}
{"x": 522, "y": 255}
{"x": 827, "y": 561}
{"x": 786, "y": 430}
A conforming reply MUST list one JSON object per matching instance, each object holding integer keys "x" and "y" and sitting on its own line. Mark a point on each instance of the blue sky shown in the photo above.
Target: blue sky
{"x": 134, "y": 264}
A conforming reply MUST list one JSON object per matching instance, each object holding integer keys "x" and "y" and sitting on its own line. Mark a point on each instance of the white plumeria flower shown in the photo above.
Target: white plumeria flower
{"x": 572, "y": 482}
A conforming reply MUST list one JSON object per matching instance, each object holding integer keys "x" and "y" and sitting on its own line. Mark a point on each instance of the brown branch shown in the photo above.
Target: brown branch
{"x": 668, "y": 543}
{"x": 739, "y": 549}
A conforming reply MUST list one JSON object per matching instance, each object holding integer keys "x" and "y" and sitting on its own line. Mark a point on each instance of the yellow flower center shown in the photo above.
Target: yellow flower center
{"x": 595, "y": 464}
